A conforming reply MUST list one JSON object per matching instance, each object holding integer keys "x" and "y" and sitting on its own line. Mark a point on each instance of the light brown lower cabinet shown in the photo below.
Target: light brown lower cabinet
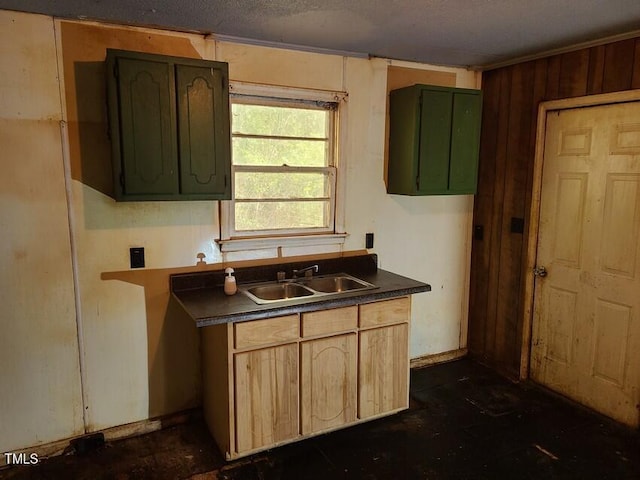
{"x": 266, "y": 394}
{"x": 384, "y": 366}
{"x": 328, "y": 373}
{"x": 274, "y": 381}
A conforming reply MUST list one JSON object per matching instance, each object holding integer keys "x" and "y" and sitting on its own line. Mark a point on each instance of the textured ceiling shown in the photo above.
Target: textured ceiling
{"x": 446, "y": 32}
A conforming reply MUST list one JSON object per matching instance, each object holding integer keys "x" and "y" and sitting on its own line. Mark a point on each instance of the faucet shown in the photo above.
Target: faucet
{"x": 308, "y": 271}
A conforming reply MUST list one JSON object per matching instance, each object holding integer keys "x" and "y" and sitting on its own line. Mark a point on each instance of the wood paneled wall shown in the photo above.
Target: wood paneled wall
{"x": 511, "y": 98}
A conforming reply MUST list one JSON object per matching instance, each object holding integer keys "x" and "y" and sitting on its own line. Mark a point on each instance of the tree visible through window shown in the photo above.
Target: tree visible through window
{"x": 283, "y": 166}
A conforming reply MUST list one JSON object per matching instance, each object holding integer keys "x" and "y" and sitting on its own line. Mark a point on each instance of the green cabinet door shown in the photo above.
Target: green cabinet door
{"x": 146, "y": 131}
{"x": 203, "y": 130}
{"x": 434, "y": 138}
{"x": 169, "y": 123}
{"x": 465, "y": 143}
{"x": 404, "y": 140}
{"x": 435, "y": 141}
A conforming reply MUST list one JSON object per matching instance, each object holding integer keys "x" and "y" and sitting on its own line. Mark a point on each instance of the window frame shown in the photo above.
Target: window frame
{"x": 254, "y": 94}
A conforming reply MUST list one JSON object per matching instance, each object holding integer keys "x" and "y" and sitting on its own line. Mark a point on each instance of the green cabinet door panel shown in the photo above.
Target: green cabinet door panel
{"x": 435, "y": 141}
{"x": 169, "y": 124}
{"x": 203, "y": 130}
{"x": 147, "y": 116}
{"x": 465, "y": 143}
{"x": 404, "y": 135}
{"x": 434, "y": 137}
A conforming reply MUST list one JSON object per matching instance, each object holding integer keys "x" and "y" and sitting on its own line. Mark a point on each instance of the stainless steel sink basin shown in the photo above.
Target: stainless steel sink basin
{"x": 334, "y": 284}
{"x": 279, "y": 291}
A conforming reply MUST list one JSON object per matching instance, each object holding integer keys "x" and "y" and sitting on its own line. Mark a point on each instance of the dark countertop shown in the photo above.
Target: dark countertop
{"x": 207, "y": 304}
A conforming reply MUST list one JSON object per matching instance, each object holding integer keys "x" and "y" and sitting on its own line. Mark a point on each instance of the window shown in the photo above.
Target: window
{"x": 283, "y": 165}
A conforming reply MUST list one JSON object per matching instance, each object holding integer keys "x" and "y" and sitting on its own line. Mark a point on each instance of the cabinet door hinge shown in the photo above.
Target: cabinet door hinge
{"x": 417, "y": 182}
{"x": 116, "y": 72}
{"x": 122, "y": 180}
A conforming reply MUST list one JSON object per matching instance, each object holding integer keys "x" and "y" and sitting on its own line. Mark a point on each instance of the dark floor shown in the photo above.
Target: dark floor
{"x": 465, "y": 422}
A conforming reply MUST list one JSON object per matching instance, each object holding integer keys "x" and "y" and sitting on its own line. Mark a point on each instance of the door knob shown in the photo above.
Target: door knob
{"x": 540, "y": 271}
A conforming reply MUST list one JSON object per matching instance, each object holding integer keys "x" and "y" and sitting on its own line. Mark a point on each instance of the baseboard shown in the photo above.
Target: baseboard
{"x": 114, "y": 433}
{"x": 444, "y": 357}
{"x": 154, "y": 424}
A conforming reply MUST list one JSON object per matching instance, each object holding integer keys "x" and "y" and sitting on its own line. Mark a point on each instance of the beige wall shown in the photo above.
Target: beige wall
{"x": 131, "y": 372}
{"x": 40, "y": 395}
{"x": 140, "y": 355}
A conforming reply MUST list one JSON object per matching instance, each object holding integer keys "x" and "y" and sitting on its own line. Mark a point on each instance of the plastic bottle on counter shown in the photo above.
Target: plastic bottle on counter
{"x": 230, "y": 287}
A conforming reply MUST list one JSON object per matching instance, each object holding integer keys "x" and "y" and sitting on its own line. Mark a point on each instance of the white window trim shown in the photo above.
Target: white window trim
{"x": 290, "y": 93}
{"x": 228, "y": 244}
{"x": 263, "y": 243}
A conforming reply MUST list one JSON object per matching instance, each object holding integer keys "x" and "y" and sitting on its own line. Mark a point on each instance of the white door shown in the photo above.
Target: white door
{"x": 586, "y": 325}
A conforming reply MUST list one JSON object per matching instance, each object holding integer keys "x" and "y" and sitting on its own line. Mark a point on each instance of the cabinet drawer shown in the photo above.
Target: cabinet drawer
{"x": 326, "y": 322}
{"x": 385, "y": 313}
{"x": 266, "y": 332}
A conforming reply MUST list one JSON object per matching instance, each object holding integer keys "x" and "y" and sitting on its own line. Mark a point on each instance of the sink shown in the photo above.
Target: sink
{"x": 334, "y": 284}
{"x": 278, "y": 291}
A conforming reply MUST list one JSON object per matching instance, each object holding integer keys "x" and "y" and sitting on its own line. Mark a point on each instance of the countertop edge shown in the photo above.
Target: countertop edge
{"x": 321, "y": 304}
{"x": 208, "y": 305}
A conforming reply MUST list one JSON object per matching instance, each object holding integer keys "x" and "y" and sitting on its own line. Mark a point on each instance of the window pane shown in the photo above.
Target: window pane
{"x": 279, "y": 121}
{"x": 281, "y": 215}
{"x": 268, "y": 151}
{"x": 281, "y": 185}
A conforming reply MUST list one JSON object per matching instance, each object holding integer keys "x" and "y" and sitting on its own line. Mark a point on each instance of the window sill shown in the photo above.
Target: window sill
{"x": 237, "y": 245}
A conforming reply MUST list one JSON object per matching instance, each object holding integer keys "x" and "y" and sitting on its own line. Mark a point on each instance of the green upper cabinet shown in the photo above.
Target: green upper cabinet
{"x": 169, "y": 126}
{"x": 434, "y": 138}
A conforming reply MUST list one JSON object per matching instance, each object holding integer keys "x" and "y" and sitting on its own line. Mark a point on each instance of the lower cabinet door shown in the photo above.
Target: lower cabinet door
{"x": 266, "y": 394}
{"x": 384, "y": 370}
{"x": 328, "y": 375}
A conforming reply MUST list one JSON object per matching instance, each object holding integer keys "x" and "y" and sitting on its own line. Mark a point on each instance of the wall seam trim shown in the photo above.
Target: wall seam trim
{"x": 64, "y": 138}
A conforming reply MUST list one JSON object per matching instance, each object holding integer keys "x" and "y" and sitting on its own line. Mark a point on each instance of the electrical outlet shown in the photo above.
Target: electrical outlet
{"x": 517, "y": 225}
{"x": 368, "y": 242}
{"x": 136, "y": 255}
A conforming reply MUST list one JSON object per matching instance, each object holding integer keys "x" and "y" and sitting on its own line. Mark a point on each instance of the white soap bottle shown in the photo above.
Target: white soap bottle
{"x": 230, "y": 287}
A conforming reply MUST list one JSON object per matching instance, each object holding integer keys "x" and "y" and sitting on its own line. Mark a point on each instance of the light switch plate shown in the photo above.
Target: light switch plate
{"x": 368, "y": 240}
{"x": 136, "y": 255}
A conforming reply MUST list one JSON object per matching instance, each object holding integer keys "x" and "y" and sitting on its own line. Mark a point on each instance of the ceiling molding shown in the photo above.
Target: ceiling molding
{"x": 560, "y": 51}
{"x": 288, "y": 46}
